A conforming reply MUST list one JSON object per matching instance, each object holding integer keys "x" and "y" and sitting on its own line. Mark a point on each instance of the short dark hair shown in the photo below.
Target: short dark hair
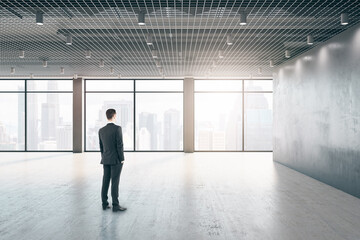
{"x": 110, "y": 113}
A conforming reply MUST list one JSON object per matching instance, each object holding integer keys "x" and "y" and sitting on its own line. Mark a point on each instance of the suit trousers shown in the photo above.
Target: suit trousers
{"x": 111, "y": 172}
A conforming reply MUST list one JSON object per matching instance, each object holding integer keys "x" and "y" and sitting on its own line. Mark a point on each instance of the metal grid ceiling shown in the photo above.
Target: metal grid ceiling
{"x": 188, "y": 35}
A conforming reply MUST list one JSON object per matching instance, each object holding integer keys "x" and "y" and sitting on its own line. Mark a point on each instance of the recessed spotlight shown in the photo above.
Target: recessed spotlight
{"x": 21, "y": 54}
{"x": 229, "y": 40}
{"x": 44, "y": 63}
{"x": 68, "y": 39}
{"x": 287, "y": 54}
{"x": 221, "y": 54}
{"x": 39, "y": 18}
{"x": 344, "y": 19}
{"x": 62, "y": 70}
{"x": 88, "y": 54}
{"x": 158, "y": 63}
{"x": 271, "y": 63}
{"x": 154, "y": 54}
{"x": 75, "y": 76}
{"x": 149, "y": 39}
{"x": 31, "y": 75}
{"x": 243, "y": 17}
{"x": 111, "y": 70}
{"x": 310, "y": 40}
{"x": 12, "y": 70}
{"x": 141, "y": 18}
{"x": 260, "y": 70}
{"x": 101, "y": 64}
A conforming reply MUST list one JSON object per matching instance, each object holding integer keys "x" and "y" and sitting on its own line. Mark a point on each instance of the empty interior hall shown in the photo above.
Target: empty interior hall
{"x": 181, "y": 119}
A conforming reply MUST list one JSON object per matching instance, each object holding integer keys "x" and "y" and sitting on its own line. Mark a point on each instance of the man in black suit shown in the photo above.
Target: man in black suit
{"x": 112, "y": 158}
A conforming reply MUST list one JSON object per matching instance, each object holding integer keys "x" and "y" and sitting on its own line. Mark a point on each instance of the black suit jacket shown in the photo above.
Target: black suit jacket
{"x": 111, "y": 144}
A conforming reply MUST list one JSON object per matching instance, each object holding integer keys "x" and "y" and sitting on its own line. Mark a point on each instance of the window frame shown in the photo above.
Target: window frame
{"x": 134, "y": 92}
{"x": 25, "y": 91}
{"x": 242, "y": 92}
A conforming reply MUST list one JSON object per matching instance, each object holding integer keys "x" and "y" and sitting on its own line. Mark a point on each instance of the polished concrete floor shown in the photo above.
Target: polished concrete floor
{"x": 170, "y": 196}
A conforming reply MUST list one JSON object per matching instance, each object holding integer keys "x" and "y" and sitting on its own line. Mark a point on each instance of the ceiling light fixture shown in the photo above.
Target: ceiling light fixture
{"x": 344, "y": 19}
{"x": 62, "y": 70}
{"x": 154, "y": 54}
{"x": 221, "y": 54}
{"x": 75, "y": 76}
{"x": 149, "y": 39}
{"x": 31, "y": 76}
{"x": 21, "y": 54}
{"x": 271, "y": 63}
{"x": 243, "y": 17}
{"x": 287, "y": 54}
{"x": 158, "y": 63}
{"x": 68, "y": 39}
{"x": 260, "y": 70}
{"x": 12, "y": 70}
{"x": 229, "y": 40}
{"x": 310, "y": 40}
{"x": 88, "y": 54}
{"x": 141, "y": 18}
{"x": 101, "y": 64}
{"x": 214, "y": 64}
{"x": 44, "y": 63}
{"x": 39, "y": 18}
{"x": 111, "y": 70}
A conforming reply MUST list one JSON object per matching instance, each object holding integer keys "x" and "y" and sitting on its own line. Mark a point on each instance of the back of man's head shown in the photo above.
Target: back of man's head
{"x": 110, "y": 113}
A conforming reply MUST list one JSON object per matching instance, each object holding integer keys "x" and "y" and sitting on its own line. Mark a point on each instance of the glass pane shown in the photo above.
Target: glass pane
{"x": 258, "y": 121}
{"x": 109, "y": 85}
{"x": 159, "y": 85}
{"x": 49, "y": 85}
{"x": 49, "y": 121}
{"x": 12, "y": 85}
{"x": 12, "y": 121}
{"x": 159, "y": 121}
{"x": 258, "y": 85}
{"x": 96, "y": 106}
{"x": 218, "y": 121}
{"x": 218, "y": 85}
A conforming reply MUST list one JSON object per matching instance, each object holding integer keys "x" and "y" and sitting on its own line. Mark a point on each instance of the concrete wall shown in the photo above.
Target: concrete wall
{"x": 317, "y": 112}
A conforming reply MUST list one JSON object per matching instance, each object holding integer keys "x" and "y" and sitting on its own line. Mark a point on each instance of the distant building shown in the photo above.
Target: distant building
{"x": 172, "y": 130}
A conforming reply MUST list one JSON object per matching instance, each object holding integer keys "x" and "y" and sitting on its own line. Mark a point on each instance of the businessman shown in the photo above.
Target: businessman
{"x": 112, "y": 158}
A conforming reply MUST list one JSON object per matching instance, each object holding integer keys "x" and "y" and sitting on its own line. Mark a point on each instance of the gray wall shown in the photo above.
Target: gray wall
{"x": 317, "y": 112}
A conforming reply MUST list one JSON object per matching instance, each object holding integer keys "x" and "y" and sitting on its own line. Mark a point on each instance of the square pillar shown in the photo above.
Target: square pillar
{"x": 189, "y": 115}
{"x": 78, "y": 146}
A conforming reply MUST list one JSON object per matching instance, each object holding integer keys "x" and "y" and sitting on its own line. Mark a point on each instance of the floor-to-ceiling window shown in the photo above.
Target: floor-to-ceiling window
{"x": 258, "y": 113}
{"x": 12, "y": 115}
{"x": 218, "y": 115}
{"x": 233, "y": 115}
{"x": 149, "y": 111}
{"x": 159, "y": 115}
{"x": 49, "y": 115}
{"x": 36, "y": 115}
{"x": 102, "y": 95}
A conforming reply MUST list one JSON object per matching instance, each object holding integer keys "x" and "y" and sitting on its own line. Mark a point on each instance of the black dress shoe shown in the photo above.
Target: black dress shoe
{"x": 105, "y": 207}
{"x": 118, "y": 209}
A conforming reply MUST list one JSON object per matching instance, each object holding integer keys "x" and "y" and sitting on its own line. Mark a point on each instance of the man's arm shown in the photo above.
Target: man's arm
{"x": 120, "y": 145}
{"x": 101, "y": 145}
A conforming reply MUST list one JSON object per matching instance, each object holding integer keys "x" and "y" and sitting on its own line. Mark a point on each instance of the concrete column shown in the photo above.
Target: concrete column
{"x": 78, "y": 146}
{"x": 189, "y": 115}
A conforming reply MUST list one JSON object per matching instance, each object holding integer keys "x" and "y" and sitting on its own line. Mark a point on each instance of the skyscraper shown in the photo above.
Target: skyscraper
{"x": 50, "y": 114}
{"x": 172, "y": 129}
{"x": 149, "y": 122}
